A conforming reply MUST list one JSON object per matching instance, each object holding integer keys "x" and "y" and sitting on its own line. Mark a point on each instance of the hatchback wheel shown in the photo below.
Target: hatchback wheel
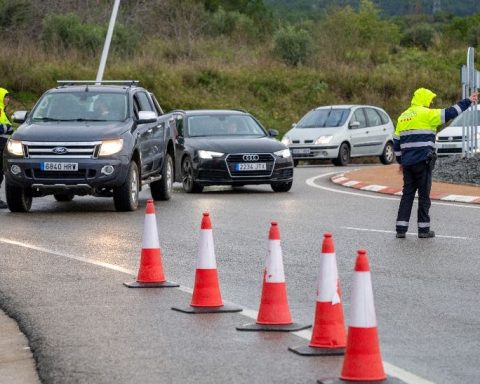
{"x": 343, "y": 157}
{"x": 388, "y": 154}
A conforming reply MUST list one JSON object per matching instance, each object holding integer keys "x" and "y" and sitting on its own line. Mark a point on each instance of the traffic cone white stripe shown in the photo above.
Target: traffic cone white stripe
{"x": 206, "y": 252}
{"x": 362, "y": 310}
{"x": 274, "y": 263}
{"x": 150, "y": 234}
{"x": 327, "y": 285}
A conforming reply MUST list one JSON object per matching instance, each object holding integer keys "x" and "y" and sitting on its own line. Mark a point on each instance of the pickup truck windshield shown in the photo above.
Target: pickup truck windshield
{"x": 324, "y": 118}
{"x": 81, "y": 106}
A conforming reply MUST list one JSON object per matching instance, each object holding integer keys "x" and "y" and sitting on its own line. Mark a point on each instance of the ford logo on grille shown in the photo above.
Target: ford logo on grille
{"x": 60, "y": 150}
{"x": 251, "y": 157}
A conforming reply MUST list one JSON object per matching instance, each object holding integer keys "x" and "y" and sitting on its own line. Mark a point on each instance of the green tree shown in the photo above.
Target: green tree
{"x": 292, "y": 45}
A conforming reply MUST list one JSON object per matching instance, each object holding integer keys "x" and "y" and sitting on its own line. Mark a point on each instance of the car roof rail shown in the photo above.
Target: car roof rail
{"x": 66, "y": 83}
{"x": 177, "y": 110}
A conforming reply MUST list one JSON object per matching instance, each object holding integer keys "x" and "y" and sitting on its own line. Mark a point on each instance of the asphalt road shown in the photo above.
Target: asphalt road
{"x": 62, "y": 267}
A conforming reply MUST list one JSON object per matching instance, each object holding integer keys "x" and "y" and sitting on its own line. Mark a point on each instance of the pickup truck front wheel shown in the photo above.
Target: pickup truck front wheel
{"x": 18, "y": 199}
{"x": 125, "y": 197}
{"x": 162, "y": 189}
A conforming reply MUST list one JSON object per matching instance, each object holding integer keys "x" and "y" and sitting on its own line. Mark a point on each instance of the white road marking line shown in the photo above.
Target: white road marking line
{"x": 392, "y": 370}
{"x": 408, "y": 233}
{"x": 311, "y": 182}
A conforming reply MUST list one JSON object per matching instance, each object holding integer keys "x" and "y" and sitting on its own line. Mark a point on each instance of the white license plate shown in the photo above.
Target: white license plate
{"x": 449, "y": 146}
{"x": 301, "y": 151}
{"x": 57, "y": 166}
{"x": 251, "y": 166}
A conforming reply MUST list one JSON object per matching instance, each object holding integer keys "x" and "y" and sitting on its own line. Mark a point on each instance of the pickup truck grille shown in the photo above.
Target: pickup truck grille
{"x": 61, "y": 150}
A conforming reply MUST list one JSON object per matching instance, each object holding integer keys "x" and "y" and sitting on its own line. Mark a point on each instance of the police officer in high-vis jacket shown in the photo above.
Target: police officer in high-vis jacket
{"x": 5, "y": 131}
{"x": 414, "y": 144}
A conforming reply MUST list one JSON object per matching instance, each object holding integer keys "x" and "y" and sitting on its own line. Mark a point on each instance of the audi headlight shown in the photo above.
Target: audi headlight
{"x": 209, "y": 154}
{"x": 286, "y": 140}
{"x": 285, "y": 153}
{"x": 15, "y": 147}
{"x": 110, "y": 147}
{"x": 324, "y": 140}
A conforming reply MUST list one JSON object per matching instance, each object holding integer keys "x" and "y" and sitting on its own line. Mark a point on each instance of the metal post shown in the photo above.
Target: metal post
{"x": 108, "y": 39}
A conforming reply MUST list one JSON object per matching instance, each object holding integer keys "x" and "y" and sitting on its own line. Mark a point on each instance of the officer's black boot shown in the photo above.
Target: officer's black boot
{"x": 3, "y": 205}
{"x": 426, "y": 235}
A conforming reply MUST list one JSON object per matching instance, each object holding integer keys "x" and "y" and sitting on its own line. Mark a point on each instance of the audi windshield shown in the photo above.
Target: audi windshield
{"x": 81, "y": 106}
{"x": 224, "y": 125}
{"x": 324, "y": 118}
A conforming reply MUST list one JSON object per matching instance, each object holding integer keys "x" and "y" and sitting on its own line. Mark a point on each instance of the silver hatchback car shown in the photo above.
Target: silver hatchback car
{"x": 340, "y": 132}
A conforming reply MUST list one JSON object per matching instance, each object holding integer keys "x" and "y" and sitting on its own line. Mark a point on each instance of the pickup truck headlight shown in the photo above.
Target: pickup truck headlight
{"x": 15, "y": 147}
{"x": 110, "y": 147}
{"x": 285, "y": 153}
{"x": 286, "y": 140}
{"x": 209, "y": 154}
{"x": 324, "y": 140}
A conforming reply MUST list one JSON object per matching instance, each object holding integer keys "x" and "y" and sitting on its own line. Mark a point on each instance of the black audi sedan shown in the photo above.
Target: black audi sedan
{"x": 229, "y": 147}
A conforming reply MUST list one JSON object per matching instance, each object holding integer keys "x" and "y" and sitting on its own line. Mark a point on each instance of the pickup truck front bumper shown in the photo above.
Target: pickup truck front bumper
{"x": 91, "y": 175}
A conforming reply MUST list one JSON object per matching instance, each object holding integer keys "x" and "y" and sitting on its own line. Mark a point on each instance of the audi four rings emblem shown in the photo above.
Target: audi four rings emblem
{"x": 251, "y": 157}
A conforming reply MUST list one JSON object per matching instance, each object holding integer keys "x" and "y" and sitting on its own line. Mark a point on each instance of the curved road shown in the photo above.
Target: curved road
{"x": 62, "y": 268}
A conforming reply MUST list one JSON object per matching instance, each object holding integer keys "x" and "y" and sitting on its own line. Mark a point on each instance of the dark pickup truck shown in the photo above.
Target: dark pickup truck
{"x": 86, "y": 138}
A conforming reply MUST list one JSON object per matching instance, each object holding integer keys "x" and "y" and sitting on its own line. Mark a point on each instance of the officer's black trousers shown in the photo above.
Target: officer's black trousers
{"x": 417, "y": 177}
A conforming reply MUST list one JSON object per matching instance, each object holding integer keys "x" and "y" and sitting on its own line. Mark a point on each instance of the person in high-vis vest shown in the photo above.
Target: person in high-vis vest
{"x": 414, "y": 145}
{"x": 6, "y": 130}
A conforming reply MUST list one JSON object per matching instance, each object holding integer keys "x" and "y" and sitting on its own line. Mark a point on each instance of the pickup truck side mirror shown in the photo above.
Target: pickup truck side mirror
{"x": 19, "y": 116}
{"x": 147, "y": 117}
{"x": 272, "y": 132}
{"x": 354, "y": 124}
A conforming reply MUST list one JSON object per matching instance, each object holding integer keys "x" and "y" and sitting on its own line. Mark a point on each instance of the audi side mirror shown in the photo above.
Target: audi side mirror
{"x": 272, "y": 132}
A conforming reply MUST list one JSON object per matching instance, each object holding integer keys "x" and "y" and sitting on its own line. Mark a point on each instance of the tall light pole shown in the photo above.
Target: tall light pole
{"x": 108, "y": 39}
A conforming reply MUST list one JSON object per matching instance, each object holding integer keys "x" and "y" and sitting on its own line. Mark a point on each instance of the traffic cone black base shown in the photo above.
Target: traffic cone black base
{"x": 306, "y": 350}
{"x": 222, "y": 309}
{"x": 164, "y": 284}
{"x": 388, "y": 380}
{"x": 254, "y": 327}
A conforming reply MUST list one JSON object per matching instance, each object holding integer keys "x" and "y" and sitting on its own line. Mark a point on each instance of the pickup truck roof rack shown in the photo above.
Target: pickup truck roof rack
{"x": 130, "y": 83}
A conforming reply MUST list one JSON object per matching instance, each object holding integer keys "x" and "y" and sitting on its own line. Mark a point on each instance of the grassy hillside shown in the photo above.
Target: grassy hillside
{"x": 223, "y": 59}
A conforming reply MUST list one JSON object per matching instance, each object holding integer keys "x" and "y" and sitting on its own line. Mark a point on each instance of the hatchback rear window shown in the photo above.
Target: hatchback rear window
{"x": 323, "y": 118}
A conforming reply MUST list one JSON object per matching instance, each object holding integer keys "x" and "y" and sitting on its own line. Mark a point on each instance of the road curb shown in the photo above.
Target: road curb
{"x": 343, "y": 180}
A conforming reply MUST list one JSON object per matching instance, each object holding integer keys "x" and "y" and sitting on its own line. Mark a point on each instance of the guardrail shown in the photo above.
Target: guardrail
{"x": 470, "y": 84}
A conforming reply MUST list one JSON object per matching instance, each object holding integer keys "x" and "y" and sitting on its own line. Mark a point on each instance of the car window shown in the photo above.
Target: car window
{"x": 91, "y": 105}
{"x": 325, "y": 117}
{"x": 223, "y": 125}
{"x": 383, "y": 116}
{"x": 466, "y": 118}
{"x": 359, "y": 116}
{"x": 373, "y": 118}
{"x": 144, "y": 102}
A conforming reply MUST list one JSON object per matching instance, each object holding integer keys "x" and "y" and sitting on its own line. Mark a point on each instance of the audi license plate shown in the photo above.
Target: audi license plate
{"x": 251, "y": 166}
{"x": 57, "y": 166}
{"x": 301, "y": 151}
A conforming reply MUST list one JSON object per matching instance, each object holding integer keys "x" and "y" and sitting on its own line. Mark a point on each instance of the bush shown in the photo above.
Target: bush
{"x": 68, "y": 31}
{"x": 420, "y": 35}
{"x": 292, "y": 45}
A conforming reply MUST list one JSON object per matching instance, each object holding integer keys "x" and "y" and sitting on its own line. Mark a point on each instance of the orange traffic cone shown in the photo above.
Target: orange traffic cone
{"x": 206, "y": 296}
{"x": 150, "y": 274}
{"x": 363, "y": 360}
{"x": 274, "y": 313}
{"x": 328, "y": 335}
